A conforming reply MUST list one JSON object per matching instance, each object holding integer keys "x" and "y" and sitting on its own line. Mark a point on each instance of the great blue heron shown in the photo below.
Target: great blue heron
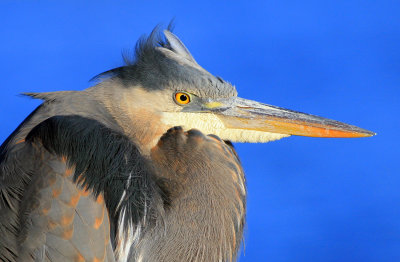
{"x": 125, "y": 170}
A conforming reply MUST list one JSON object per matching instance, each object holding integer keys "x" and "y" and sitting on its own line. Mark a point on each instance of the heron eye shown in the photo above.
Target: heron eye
{"x": 182, "y": 98}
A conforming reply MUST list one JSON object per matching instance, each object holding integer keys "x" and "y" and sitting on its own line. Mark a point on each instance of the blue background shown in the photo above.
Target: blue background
{"x": 310, "y": 199}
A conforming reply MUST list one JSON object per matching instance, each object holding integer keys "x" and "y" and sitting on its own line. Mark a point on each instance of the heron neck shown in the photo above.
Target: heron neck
{"x": 204, "y": 222}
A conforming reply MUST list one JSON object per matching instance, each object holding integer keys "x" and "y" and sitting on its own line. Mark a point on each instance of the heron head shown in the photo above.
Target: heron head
{"x": 165, "y": 87}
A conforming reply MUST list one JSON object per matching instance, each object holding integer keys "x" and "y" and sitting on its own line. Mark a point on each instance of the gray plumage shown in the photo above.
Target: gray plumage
{"x": 160, "y": 214}
{"x": 109, "y": 174}
{"x": 160, "y": 64}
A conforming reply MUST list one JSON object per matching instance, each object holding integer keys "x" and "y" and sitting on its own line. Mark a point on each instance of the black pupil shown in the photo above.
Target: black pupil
{"x": 183, "y": 98}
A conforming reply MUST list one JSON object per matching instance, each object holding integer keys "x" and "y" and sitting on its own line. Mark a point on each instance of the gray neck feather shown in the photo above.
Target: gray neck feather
{"x": 203, "y": 223}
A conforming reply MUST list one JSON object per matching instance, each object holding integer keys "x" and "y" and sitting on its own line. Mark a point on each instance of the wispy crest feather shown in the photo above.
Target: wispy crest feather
{"x": 162, "y": 61}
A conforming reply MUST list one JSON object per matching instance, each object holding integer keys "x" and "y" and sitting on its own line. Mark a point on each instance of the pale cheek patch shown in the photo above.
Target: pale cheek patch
{"x": 210, "y": 124}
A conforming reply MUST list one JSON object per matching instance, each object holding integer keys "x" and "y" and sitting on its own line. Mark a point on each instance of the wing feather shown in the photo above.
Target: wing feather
{"x": 61, "y": 192}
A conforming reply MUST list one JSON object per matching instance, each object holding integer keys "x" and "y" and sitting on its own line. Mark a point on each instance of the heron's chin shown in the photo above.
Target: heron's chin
{"x": 246, "y": 136}
{"x": 209, "y": 123}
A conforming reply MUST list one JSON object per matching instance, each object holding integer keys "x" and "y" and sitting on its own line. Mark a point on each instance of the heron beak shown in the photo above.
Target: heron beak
{"x": 238, "y": 113}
